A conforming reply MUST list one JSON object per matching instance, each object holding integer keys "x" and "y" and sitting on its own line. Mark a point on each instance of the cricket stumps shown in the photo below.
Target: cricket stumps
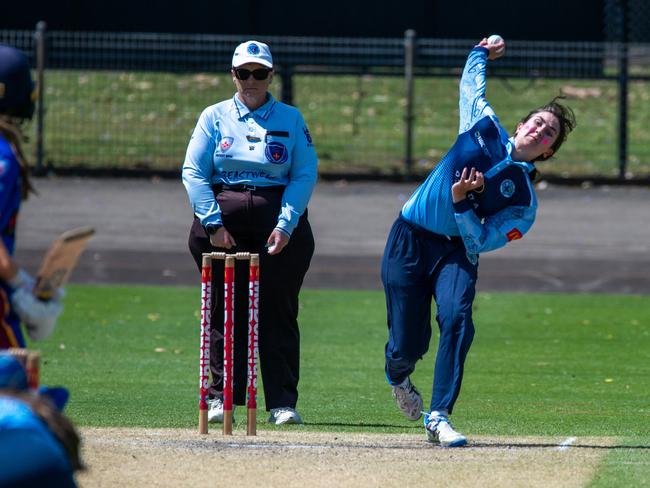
{"x": 228, "y": 333}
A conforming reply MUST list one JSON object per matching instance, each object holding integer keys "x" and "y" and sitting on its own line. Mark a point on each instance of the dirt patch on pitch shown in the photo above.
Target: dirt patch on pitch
{"x": 173, "y": 458}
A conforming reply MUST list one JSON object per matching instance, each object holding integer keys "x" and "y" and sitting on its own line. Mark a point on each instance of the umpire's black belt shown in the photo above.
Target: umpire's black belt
{"x": 245, "y": 187}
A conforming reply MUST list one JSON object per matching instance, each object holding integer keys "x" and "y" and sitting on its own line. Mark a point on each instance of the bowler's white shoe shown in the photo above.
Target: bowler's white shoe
{"x": 439, "y": 429}
{"x": 284, "y": 415}
{"x": 408, "y": 399}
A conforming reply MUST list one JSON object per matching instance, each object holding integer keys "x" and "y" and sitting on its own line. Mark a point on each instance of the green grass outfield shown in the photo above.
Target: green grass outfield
{"x": 541, "y": 365}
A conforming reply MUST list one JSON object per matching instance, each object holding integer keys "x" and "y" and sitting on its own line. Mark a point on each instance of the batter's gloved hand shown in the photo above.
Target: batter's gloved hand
{"x": 22, "y": 280}
{"x": 39, "y": 317}
{"x": 42, "y": 329}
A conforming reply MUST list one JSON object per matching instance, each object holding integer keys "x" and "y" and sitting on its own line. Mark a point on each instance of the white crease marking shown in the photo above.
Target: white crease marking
{"x": 566, "y": 443}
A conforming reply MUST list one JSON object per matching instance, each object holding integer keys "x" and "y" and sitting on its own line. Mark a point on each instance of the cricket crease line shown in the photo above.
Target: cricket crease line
{"x": 566, "y": 443}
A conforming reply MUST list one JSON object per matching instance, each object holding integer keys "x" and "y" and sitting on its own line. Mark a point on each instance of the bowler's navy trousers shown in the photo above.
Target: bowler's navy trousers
{"x": 418, "y": 265}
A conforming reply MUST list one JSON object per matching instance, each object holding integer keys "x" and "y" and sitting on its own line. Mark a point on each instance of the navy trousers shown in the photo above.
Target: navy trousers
{"x": 417, "y": 266}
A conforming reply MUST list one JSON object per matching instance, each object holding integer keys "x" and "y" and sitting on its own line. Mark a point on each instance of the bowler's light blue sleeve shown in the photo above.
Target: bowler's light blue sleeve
{"x": 495, "y": 231}
{"x": 302, "y": 179}
{"x": 198, "y": 169}
{"x": 472, "y": 102}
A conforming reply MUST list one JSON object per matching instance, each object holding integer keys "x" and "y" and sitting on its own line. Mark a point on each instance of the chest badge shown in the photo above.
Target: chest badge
{"x": 226, "y": 143}
{"x": 276, "y": 153}
{"x": 507, "y": 188}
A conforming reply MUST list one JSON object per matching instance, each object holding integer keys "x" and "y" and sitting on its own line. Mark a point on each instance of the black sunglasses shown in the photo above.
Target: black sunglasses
{"x": 259, "y": 74}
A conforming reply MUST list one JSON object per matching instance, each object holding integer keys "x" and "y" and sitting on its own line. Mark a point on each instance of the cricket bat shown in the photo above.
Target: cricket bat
{"x": 60, "y": 260}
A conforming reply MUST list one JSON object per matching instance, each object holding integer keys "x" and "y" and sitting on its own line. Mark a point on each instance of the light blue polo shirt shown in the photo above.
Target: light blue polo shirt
{"x": 267, "y": 147}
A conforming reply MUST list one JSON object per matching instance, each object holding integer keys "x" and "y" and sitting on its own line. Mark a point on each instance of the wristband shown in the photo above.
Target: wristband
{"x": 212, "y": 229}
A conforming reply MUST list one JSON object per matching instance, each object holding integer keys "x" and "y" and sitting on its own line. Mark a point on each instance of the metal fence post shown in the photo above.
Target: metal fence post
{"x": 40, "y": 113}
{"x": 287, "y": 84}
{"x": 409, "y": 59}
{"x": 623, "y": 90}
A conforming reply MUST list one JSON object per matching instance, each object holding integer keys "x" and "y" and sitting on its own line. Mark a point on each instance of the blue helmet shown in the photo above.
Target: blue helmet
{"x": 17, "y": 91}
{"x": 12, "y": 375}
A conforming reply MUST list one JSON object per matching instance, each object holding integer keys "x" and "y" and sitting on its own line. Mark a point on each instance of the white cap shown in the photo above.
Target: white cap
{"x": 252, "y": 52}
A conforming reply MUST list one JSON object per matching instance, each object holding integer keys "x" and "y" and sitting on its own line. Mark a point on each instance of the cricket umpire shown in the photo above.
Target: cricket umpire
{"x": 17, "y": 302}
{"x": 249, "y": 171}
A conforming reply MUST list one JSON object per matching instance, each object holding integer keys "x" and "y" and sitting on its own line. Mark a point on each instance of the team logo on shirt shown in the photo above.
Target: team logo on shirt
{"x": 276, "y": 153}
{"x": 226, "y": 143}
{"x": 507, "y": 188}
{"x": 481, "y": 143}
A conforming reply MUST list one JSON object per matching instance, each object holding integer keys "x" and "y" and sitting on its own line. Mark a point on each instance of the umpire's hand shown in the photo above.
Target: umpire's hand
{"x": 276, "y": 241}
{"x": 222, "y": 238}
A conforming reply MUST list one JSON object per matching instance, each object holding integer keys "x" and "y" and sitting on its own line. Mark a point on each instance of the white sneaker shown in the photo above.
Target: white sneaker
{"x": 284, "y": 415}
{"x": 408, "y": 399}
{"x": 439, "y": 429}
{"x": 215, "y": 411}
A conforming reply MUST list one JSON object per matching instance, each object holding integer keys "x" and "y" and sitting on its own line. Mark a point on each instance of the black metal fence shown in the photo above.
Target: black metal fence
{"x": 129, "y": 101}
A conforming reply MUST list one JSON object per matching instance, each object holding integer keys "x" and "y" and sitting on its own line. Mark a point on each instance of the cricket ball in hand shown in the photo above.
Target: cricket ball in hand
{"x": 493, "y": 39}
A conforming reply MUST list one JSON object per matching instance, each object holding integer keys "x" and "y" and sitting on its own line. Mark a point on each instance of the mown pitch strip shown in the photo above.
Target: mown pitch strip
{"x": 174, "y": 457}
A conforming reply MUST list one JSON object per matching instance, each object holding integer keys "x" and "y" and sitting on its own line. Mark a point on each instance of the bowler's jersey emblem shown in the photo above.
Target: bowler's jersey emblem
{"x": 507, "y": 188}
{"x": 276, "y": 153}
{"x": 226, "y": 143}
{"x": 514, "y": 234}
